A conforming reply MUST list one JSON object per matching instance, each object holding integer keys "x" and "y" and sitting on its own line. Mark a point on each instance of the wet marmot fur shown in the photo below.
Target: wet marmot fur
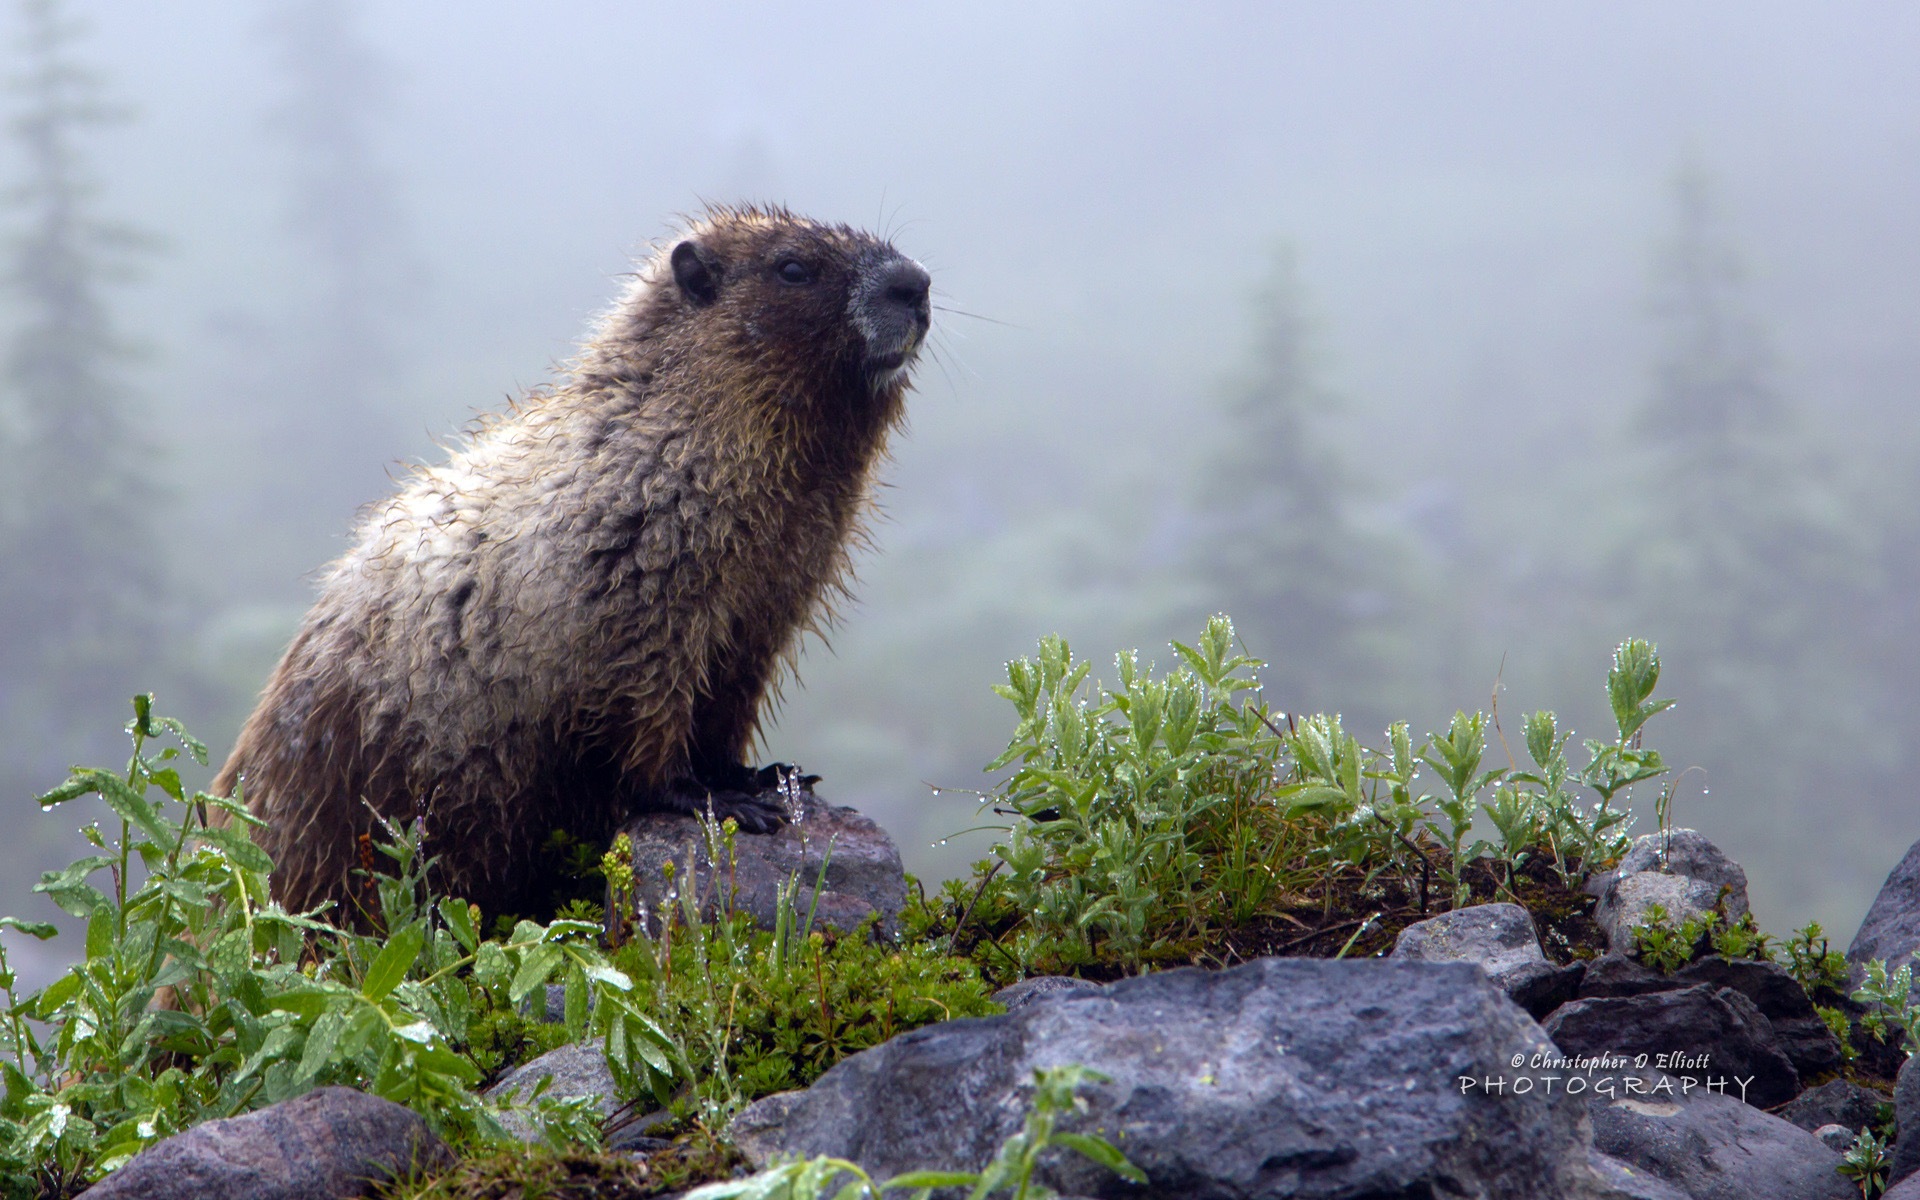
{"x": 581, "y": 614}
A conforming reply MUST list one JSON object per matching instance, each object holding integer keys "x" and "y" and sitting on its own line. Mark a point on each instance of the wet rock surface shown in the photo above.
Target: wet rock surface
{"x": 1706, "y": 1033}
{"x": 331, "y": 1143}
{"x": 1891, "y": 928}
{"x": 1681, "y": 871}
{"x": 1500, "y": 939}
{"x": 1281, "y": 1077}
{"x": 1836, "y": 1102}
{"x": 1798, "y": 1030}
{"x": 1710, "y": 1146}
{"x": 864, "y": 875}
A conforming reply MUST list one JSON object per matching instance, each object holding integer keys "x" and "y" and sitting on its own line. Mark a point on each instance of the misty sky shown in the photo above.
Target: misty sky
{"x": 1474, "y": 192}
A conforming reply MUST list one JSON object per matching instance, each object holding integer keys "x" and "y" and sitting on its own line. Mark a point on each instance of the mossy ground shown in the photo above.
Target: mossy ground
{"x": 539, "y": 1174}
{"x": 1348, "y": 912}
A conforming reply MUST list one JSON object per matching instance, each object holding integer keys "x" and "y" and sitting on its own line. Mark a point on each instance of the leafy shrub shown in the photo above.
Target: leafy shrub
{"x": 1157, "y": 817}
{"x": 763, "y": 1011}
{"x": 199, "y": 997}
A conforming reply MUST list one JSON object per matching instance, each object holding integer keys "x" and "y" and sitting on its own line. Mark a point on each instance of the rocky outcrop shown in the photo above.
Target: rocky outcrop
{"x": 1500, "y": 940}
{"x": 1906, "y": 1115}
{"x": 1681, "y": 871}
{"x": 329, "y": 1144}
{"x": 1891, "y": 928}
{"x": 1715, "y": 1036}
{"x": 1278, "y": 1078}
{"x": 863, "y": 870}
{"x": 1836, "y": 1102}
{"x": 1710, "y": 1146}
{"x": 570, "y": 1071}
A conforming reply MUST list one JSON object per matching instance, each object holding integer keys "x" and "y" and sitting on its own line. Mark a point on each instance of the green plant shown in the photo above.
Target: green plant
{"x": 1841, "y": 1026}
{"x": 762, "y": 1011}
{"x": 1892, "y": 1010}
{"x": 197, "y": 996}
{"x": 1658, "y": 944}
{"x": 1135, "y": 808}
{"x": 1816, "y": 965}
{"x": 1741, "y": 938}
{"x": 1867, "y": 1162}
{"x": 1011, "y": 1171}
{"x": 1156, "y": 819}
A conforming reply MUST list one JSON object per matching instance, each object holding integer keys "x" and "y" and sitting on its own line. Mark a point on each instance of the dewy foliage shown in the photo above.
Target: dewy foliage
{"x": 1155, "y": 814}
{"x": 199, "y": 997}
{"x": 265, "y": 1004}
{"x": 757, "y": 1011}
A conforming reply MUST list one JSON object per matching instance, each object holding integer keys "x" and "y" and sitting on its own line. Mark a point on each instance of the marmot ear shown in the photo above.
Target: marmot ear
{"x": 697, "y": 272}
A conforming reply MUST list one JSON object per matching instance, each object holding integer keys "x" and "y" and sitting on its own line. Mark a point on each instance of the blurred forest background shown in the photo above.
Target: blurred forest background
{"x": 1440, "y": 345}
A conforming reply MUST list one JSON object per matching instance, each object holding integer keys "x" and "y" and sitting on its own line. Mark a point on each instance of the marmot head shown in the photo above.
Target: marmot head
{"x": 818, "y": 310}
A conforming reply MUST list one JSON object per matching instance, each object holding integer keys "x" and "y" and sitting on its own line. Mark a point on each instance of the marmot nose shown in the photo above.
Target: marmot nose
{"x": 906, "y": 283}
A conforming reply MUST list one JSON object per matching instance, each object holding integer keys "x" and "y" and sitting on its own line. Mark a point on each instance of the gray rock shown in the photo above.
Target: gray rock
{"x": 1615, "y": 1180}
{"x": 1618, "y": 975}
{"x": 1801, "y": 1034}
{"x": 1906, "y": 1189}
{"x": 1906, "y": 1119}
{"x": 1722, "y": 1035}
{"x": 1688, "y": 852}
{"x": 1497, "y": 938}
{"x": 1628, "y": 898}
{"x": 331, "y": 1143}
{"x": 579, "y": 1069}
{"x": 864, "y": 875}
{"x": 1541, "y": 994}
{"x": 1836, "y": 1102}
{"x": 1891, "y": 928}
{"x": 1041, "y": 987}
{"x": 1797, "y": 1029}
{"x": 1278, "y": 1078}
{"x": 1500, "y": 940}
{"x": 576, "y": 1070}
{"x": 1835, "y": 1137}
{"x": 1680, "y": 870}
{"x": 1712, "y": 1147}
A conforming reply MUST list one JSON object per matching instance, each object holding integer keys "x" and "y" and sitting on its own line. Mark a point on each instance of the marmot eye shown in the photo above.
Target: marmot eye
{"x": 795, "y": 271}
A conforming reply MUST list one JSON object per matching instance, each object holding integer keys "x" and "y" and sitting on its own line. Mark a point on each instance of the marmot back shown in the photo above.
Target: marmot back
{"x": 580, "y": 615}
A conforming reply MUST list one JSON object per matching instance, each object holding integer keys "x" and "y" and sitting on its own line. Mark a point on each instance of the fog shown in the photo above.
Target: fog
{"x": 365, "y": 224}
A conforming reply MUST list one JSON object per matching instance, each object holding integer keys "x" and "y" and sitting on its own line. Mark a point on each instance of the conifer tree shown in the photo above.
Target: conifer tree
{"x": 339, "y": 349}
{"x": 1748, "y": 566}
{"x": 1277, "y": 543}
{"x": 81, "y": 593}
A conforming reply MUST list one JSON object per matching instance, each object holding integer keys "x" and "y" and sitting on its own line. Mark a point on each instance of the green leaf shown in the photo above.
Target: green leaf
{"x": 442, "y": 1061}
{"x": 933, "y": 1179}
{"x": 130, "y": 804}
{"x": 38, "y": 929}
{"x": 1102, "y": 1152}
{"x": 308, "y": 1003}
{"x": 69, "y": 888}
{"x": 74, "y": 788}
{"x": 237, "y": 846}
{"x": 390, "y": 966}
{"x": 101, "y": 927}
{"x": 360, "y": 1029}
{"x": 322, "y": 1040}
{"x": 458, "y": 915}
{"x": 58, "y": 993}
{"x": 535, "y": 969}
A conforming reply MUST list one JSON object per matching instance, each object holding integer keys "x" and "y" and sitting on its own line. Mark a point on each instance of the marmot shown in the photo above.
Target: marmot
{"x": 581, "y": 614}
